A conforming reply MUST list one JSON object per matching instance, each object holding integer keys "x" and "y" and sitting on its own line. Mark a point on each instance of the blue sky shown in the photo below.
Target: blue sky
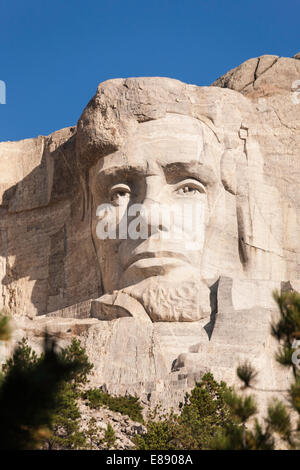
{"x": 54, "y": 54}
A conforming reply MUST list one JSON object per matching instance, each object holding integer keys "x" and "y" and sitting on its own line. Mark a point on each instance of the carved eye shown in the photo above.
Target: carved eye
{"x": 120, "y": 194}
{"x": 190, "y": 188}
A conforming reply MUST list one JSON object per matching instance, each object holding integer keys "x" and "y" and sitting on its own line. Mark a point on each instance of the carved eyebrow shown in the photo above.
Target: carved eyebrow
{"x": 173, "y": 172}
{"x": 116, "y": 170}
{"x": 194, "y": 169}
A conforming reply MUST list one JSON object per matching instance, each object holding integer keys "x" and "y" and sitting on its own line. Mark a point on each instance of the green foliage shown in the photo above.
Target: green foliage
{"x": 75, "y": 354}
{"x": 259, "y": 439}
{"x": 23, "y": 358}
{"x": 241, "y": 407}
{"x": 246, "y": 373}
{"x": 289, "y": 322}
{"x": 5, "y": 330}
{"x": 217, "y": 417}
{"x": 65, "y": 433}
{"x": 28, "y": 395}
{"x": 65, "y": 426}
{"x": 204, "y": 413}
{"x": 239, "y": 438}
{"x": 284, "y": 355}
{"x": 92, "y": 435}
{"x": 294, "y": 395}
{"x": 287, "y": 328}
{"x": 205, "y": 410}
{"x": 160, "y": 435}
{"x": 126, "y": 405}
{"x": 109, "y": 437}
{"x": 45, "y": 413}
{"x": 279, "y": 419}
{"x": 213, "y": 416}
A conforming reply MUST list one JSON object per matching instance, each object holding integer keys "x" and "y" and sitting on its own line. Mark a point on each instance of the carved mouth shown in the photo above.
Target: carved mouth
{"x": 162, "y": 255}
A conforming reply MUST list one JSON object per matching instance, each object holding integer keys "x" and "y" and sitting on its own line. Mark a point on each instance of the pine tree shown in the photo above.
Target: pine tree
{"x": 204, "y": 413}
{"x": 28, "y": 395}
{"x": 45, "y": 413}
{"x": 109, "y": 437}
{"x": 65, "y": 424}
{"x": 278, "y": 421}
{"x": 93, "y": 435}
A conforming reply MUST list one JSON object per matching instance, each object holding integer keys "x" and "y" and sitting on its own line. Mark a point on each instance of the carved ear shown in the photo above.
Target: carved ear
{"x": 234, "y": 179}
{"x": 228, "y": 170}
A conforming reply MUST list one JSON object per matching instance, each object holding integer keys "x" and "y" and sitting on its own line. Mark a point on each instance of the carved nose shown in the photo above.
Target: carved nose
{"x": 152, "y": 214}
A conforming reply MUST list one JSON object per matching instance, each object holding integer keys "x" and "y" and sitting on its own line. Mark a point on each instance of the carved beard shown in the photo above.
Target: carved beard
{"x": 165, "y": 302}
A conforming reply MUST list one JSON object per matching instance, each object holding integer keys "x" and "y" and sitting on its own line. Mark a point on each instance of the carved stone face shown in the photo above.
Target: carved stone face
{"x": 161, "y": 187}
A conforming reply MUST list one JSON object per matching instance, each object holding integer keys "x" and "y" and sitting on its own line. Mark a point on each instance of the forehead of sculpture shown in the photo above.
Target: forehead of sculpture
{"x": 172, "y": 140}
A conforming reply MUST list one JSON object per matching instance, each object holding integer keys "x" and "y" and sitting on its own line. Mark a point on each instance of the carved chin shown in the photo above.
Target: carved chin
{"x": 165, "y": 302}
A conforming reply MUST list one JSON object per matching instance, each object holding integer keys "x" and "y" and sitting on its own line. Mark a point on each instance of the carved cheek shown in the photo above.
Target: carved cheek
{"x": 195, "y": 222}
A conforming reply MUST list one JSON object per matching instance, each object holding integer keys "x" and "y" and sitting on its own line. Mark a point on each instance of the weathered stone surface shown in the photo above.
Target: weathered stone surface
{"x": 125, "y": 428}
{"x": 155, "y": 313}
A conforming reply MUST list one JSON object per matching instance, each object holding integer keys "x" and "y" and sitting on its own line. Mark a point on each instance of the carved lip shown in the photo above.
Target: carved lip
{"x": 156, "y": 254}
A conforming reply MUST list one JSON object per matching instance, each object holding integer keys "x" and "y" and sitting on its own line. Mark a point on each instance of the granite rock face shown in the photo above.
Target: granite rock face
{"x": 156, "y": 311}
